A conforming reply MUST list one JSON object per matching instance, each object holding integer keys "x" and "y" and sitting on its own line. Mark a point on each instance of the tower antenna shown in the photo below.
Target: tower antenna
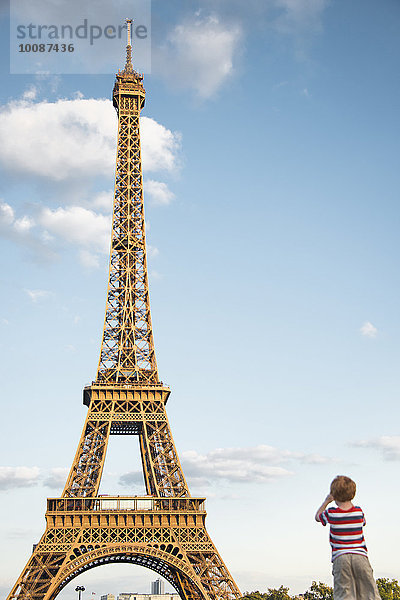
{"x": 128, "y": 66}
{"x": 128, "y": 32}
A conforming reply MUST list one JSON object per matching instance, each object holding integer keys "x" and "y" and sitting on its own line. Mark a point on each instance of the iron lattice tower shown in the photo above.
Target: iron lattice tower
{"x": 164, "y": 530}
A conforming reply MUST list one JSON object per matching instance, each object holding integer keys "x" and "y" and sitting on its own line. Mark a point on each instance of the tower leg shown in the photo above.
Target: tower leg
{"x": 162, "y": 469}
{"x": 214, "y": 576}
{"x": 36, "y": 579}
{"x": 85, "y": 474}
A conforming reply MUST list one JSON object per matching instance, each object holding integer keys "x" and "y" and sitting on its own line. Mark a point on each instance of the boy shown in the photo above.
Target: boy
{"x": 352, "y": 574}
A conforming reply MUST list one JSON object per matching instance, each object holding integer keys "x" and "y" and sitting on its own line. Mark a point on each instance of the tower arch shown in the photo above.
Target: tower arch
{"x": 163, "y": 560}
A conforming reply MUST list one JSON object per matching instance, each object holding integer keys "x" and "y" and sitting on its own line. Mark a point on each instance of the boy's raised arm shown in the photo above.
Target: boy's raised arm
{"x": 323, "y": 506}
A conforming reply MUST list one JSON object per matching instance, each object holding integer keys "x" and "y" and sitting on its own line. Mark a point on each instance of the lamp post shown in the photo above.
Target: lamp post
{"x": 79, "y": 589}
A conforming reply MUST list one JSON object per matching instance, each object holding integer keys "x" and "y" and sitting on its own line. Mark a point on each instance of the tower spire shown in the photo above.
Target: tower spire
{"x": 128, "y": 64}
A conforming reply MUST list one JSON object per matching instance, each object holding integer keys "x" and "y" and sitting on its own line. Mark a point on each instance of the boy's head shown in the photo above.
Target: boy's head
{"x": 343, "y": 489}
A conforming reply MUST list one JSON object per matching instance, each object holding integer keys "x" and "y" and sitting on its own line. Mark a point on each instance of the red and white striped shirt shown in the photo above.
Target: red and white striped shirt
{"x": 346, "y": 530}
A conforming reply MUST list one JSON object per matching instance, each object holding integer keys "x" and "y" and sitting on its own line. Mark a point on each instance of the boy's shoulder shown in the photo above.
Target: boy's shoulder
{"x": 338, "y": 516}
{"x": 338, "y": 509}
{"x": 355, "y": 511}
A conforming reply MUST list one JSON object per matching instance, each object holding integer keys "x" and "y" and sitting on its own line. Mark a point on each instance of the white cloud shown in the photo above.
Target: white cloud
{"x": 71, "y": 139}
{"x": 81, "y": 227}
{"x": 155, "y": 275}
{"x": 160, "y": 146}
{"x": 86, "y": 230}
{"x": 199, "y": 54}
{"x": 17, "y": 477}
{"x": 103, "y": 201}
{"x": 245, "y": 465}
{"x": 369, "y": 330}
{"x": 6, "y": 214}
{"x": 58, "y": 140}
{"x": 88, "y": 259}
{"x": 30, "y": 93}
{"x": 78, "y": 225}
{"x": 24, "y": 224}
{"x": 312, "y": 459}
{"x": 158, "y": 192}
{"x": 20, "y": 231}
{"x": 56, "y": 478}
{"x": 297, "y": 20}
{"x": 36, "y": 295}
{"x": 132, "y": 479}
{"x": 388, "y": 445}
{"x": 258, "y": 464}
{"x": 152, "y": 251}
{"x": 12, "y": 226}
{"x": 46, "y": 237}
{"x": 65, "y": 141}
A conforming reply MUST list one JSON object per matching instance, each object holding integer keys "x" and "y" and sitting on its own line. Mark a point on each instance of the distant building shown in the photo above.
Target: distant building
{"x": 157, "y": 587}
{"x": 107, "y": 597}
{"x": 134, "y": 596}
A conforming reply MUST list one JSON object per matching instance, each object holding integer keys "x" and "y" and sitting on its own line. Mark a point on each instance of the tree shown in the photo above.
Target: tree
{"x": 253, "y": 596}
{"x": 271, "y": 594}
{"x": 319, "y": 591}
{"x": 277, "y": 594}
{"x": 389, "y": 589}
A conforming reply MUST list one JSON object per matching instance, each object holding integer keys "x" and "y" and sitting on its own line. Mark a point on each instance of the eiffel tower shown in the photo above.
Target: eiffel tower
{"x": 164, "y": 530}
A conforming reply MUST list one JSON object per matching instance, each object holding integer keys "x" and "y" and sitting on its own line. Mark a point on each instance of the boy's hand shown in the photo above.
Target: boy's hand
{"x": 323, "y": 506}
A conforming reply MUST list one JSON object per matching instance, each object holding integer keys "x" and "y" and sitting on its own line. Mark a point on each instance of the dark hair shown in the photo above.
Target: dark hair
{"x": 343, "y": 488}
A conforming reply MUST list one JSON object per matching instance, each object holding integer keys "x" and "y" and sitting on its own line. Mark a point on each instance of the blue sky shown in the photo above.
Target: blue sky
{"x": 271, "y": 144}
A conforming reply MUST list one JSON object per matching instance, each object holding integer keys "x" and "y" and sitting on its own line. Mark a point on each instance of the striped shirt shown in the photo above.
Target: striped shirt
{"x": 346, "y": 530}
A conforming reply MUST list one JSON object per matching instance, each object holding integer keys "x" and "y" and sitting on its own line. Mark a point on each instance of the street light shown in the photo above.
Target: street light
{"x": 79, "y": 589}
